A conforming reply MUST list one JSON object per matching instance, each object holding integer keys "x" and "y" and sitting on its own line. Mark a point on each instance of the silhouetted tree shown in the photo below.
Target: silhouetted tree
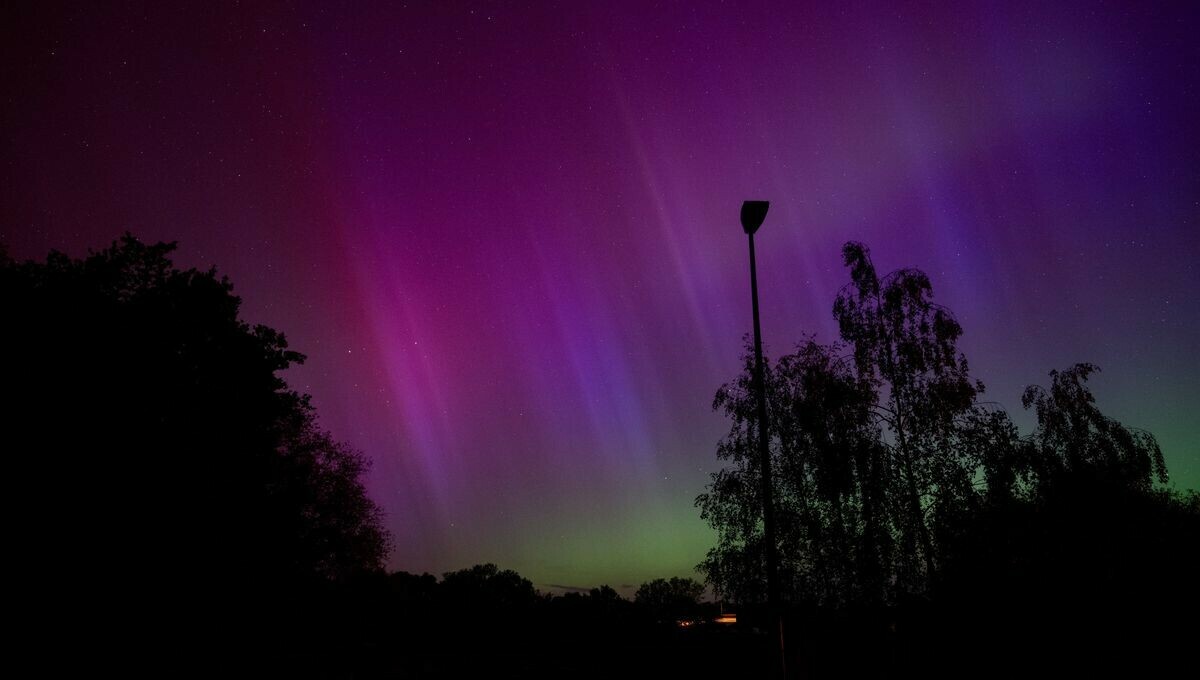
{"x": 150, "y": 426}
{"x": 826, "y": 460}
{"x": 1077, "y": 563}
{"x": 670, "y": 598}
{"x": 878, "y": 442}
{"x": 905, "y": 350}
{"x": 928, "y": 531}
{"x": 605, "y": 593}
{"x": 487, "y": 586}
{"x": 409, "y": 588}
{"x": 1074, "y": 438}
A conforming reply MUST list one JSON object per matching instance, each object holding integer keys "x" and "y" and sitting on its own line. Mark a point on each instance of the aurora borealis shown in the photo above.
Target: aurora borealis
{"x": 507, "y": 239}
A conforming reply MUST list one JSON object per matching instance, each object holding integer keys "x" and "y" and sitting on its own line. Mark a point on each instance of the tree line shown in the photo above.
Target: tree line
{"x": 914, "y": 512}
{"x": 176, "y": 509}
{"x": 484, "y": 621}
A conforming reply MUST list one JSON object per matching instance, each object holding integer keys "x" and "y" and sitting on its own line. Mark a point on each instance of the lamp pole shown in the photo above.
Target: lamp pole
{"x": 753, "y": 214}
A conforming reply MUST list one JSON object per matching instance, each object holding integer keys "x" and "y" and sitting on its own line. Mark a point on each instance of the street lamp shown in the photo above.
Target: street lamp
{"x": 753, "y": 214}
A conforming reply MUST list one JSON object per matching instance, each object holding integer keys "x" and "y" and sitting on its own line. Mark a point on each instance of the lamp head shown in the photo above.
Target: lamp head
{"x": 753, "y": 214}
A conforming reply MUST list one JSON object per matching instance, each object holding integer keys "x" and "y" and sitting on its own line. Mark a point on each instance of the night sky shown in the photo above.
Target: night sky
{"x": 507, "y": 237}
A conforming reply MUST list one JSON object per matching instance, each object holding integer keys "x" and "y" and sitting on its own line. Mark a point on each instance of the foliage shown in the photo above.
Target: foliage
{"x": 824, "y": 455}
{"x": 875, "y": 439}
{"x": 485, "y": 585}
{"x": 671, "y": 598}
{"x": 1074, "y": 438}
{"x": 151, "y": 427}
{"x": 884, "y": 452}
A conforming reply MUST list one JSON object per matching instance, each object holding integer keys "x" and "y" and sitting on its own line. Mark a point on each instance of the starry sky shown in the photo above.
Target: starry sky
{"x": 506, "y": 234}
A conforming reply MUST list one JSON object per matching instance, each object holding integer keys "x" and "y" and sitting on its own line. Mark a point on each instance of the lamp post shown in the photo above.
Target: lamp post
{"x": 753, "y": 214}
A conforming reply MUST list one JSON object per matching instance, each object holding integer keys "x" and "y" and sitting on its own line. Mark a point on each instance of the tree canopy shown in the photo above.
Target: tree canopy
{"x": 918, "y": 525}
{"x": 882, "y": 445}
{"x": 157, "y": 447}
{"x": 670, "y": 598}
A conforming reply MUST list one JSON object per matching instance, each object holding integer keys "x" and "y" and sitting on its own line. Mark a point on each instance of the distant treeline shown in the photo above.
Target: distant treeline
{"x": 485, "y": 621}
{"x": 174, "y": 509}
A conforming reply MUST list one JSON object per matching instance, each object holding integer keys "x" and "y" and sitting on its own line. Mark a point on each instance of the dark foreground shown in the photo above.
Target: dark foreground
{"x": 563, "y": 638}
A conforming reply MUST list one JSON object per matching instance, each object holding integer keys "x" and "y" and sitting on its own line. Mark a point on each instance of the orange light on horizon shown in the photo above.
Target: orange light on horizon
{"x": 726, "y": 618}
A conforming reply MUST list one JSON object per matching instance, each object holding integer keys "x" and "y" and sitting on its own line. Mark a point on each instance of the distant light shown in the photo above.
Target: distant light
{"x": 726, "y": 618}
